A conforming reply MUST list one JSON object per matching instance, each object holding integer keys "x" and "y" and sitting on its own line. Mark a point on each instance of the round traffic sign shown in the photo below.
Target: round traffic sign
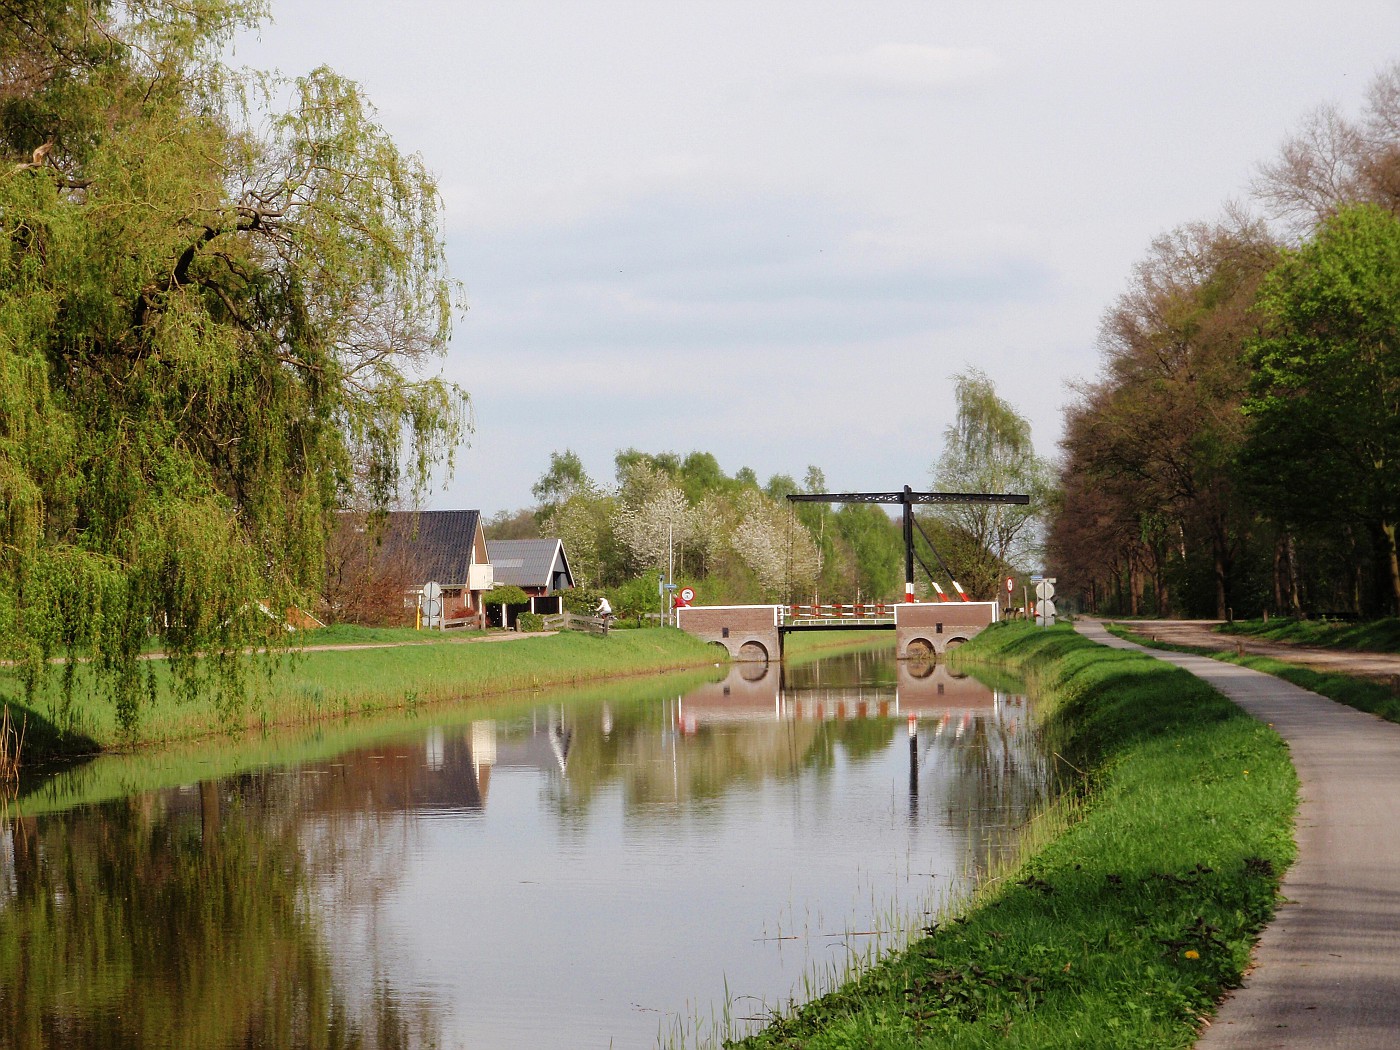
{"x": 687, "y": 595}
{"x": 1010, "y": 583}
{"x": 1045, "y": 590}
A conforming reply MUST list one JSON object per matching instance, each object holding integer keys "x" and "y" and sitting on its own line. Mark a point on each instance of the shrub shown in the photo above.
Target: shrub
{"x": 637, "y": 595}
{"x": 506, "y": 594}
{"x": 529, "y": 622}
{"x": 581, "y": 601}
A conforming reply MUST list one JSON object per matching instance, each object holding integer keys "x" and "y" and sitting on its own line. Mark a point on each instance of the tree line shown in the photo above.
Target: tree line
{"x": 738, "y": 540}
{"x": 1239, "y": 450}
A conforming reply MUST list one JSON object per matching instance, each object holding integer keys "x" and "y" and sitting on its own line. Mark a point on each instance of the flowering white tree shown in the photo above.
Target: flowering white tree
{"x": 712, "y": 523}
{"x": 776, "y": 546}
{"x": 582, "y": 522}
{"x": 652, "y": 518}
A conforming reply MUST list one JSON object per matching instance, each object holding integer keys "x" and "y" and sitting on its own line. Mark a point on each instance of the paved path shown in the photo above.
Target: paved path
{"x": 1327, "y": 970}
{"x": 343, "y": 647}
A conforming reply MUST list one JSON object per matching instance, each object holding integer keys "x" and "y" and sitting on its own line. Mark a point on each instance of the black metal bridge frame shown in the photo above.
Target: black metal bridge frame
{"x": 907, "y": 499}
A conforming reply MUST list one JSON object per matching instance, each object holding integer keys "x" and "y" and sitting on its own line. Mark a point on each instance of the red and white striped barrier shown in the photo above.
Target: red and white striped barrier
{"x": 857, "y": 611}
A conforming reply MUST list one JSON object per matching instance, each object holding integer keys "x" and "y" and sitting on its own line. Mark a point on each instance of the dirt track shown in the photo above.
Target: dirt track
{"x": 1202, "y": 634}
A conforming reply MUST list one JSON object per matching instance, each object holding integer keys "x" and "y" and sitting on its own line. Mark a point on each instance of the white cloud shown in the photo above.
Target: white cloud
{"x": 737, "y": 226}
{"x": 911, "y": 66}
{"x": 673, "y": 276}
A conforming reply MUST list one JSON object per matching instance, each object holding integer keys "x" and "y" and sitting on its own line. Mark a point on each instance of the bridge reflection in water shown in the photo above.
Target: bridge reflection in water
{"x": 769, "y": 704}
{"x": 943, "y": 709}
{"x": 567, "y": 872}
{"x": 763, "y": 692}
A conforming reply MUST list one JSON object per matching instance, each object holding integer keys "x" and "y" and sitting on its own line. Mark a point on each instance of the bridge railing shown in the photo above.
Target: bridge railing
{"x": 855, "y": 611}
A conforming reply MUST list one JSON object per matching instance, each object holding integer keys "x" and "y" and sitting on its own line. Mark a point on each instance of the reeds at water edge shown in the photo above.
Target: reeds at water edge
{"x": 11, "y": 743}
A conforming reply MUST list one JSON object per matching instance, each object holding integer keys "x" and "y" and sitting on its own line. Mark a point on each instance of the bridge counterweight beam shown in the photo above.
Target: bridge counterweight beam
{"x": 906, "y": 499}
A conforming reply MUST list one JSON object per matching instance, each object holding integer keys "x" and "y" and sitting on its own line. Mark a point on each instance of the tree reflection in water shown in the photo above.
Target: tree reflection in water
{"x": 449, "y": 880}
{"x": 178, "y": 919}
{"x": 990, "y": 770}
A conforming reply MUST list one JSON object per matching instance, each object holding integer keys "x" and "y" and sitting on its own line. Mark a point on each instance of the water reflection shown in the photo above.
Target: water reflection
{"x": 176, "y": 919}
{"x": 766, "y": 692}
{"x": 578, "y": 873}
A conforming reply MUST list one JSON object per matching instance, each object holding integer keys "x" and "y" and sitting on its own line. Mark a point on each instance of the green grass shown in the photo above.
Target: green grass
{"x": 350, "y": 634}
{"x": 1140, "y": 904}
{"x": 805, "y": 646}
{"x": 120, "y": 774}
{"x": 1378, "y": 636}
{"x": 313, "y": 685}
{"x": 1364, "y": 694}
{"x": 323, "y": 684}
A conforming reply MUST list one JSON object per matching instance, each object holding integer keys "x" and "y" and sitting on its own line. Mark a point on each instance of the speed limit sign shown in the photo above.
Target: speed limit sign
{"x": 1010, "y": 583}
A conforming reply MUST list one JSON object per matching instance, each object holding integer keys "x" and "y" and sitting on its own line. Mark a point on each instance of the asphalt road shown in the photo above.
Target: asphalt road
{"x": 1327, "y": 970}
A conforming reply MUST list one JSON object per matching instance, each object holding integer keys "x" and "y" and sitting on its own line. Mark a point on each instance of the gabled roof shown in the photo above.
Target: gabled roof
{"x": 435, "y": 545}
{"x": 528, "y": 563}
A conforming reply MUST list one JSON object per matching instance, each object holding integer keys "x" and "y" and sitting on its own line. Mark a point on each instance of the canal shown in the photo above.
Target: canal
{"x": 580, "y": 871}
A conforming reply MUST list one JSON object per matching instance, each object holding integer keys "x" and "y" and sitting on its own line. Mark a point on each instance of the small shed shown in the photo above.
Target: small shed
{"x": 540, "y": 568}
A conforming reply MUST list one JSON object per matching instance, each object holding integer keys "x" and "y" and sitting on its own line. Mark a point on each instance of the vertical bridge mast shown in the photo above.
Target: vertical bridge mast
{"x": 907, "y": 499}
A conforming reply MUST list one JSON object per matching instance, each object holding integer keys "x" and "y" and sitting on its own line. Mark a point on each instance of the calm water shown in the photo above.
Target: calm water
{"x": 578, "y": 874}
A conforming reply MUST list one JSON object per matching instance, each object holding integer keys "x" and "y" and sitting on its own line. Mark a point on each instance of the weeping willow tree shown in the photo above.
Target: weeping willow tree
{"x": 988, "y": 449}
{"x": 221, "y": 295}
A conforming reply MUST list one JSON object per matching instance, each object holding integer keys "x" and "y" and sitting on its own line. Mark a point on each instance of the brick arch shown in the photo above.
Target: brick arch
{"x": 734, "y": 627}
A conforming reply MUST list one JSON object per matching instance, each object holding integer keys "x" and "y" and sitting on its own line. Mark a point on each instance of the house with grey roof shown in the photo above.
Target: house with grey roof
{"x": 444, "y": 562}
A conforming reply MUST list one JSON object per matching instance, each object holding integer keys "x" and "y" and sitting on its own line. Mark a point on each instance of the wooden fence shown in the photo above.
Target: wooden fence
{"x": 567, "y": 621}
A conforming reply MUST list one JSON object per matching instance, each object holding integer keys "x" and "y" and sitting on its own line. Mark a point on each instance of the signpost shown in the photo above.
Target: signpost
{"x": 1044, "y": 604}
{"x": 432, "y": 605}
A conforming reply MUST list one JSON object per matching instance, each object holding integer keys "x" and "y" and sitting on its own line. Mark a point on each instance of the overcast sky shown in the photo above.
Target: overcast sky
{"x": 773, "y": 231}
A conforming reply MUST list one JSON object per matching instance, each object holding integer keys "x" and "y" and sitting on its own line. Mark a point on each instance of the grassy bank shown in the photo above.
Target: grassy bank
{"x": 379, "y": 673}
{"x": 1364, "y": 694}
{"x": 805, "y": 646}
{"x": 325, "y": 684}
{"x": 1140, "y": 907}
{"x": 124, "y": 773}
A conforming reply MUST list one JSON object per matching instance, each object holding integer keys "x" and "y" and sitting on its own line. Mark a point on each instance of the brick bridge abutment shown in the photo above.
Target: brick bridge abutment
{"x": 747, "y": 632}
{"x": 755, "y": 632}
